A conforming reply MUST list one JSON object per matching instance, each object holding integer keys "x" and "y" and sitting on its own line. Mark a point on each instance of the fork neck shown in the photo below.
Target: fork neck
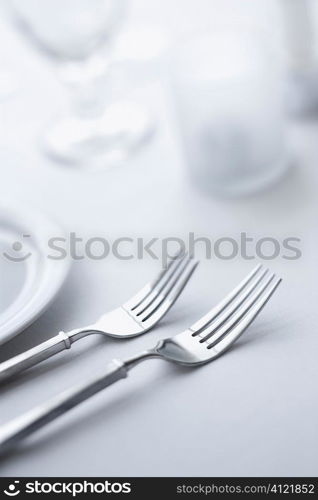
{"x": 79, "y": 333}
{"x": 143, "y": 356}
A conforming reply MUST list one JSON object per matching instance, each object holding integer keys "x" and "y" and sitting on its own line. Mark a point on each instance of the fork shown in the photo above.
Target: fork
{"x": 204, "y": 341}
{"x": 135, "y": 317}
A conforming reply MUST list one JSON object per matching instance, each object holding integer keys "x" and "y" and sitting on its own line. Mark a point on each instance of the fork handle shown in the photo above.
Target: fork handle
{"x": 21, "y": 427}
{"x": 33, "y": 356}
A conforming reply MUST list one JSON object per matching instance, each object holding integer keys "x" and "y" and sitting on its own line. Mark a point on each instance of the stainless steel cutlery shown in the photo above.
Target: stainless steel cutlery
{"x": 137, "y": 316}
{"x": 204, "y": 341}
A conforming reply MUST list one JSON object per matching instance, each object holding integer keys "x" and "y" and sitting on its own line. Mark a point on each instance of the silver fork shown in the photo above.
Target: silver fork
{"x": 204, "y": 341}
{"x": 141, "y": 313}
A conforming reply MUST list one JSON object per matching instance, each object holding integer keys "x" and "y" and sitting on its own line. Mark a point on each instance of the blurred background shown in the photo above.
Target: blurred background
{"x": 156, "y": 118}
{"x": 210, "y": 105}
{"x": 230, "y": 73}
{"x": 90, "y": 86}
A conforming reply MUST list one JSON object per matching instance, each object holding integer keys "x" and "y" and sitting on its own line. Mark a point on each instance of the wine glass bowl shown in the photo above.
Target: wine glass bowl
{"x": 70, "y": 30}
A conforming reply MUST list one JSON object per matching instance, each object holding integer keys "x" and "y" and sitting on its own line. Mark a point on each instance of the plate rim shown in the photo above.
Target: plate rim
{"x": 41, "y": 225}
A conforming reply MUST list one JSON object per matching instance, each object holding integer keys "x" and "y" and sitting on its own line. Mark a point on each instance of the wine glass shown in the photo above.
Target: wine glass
{"x": 77, "y": 35}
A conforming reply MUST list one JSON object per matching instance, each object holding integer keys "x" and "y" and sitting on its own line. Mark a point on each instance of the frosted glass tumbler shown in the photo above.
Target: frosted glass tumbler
{"x": 229, "y": 101}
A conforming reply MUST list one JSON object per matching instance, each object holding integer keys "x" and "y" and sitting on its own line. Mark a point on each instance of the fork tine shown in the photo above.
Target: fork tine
{"x": 223, "y": 317}
{"x": 211, "y": 315}
{"x": 147, "y": 311}
{"x": 172, "y": 294}
{"x": 248, "y": 304}
{"x": 135, "y": 301}
{"x": 160, "y": 286}
{"x": 239, "y": 329}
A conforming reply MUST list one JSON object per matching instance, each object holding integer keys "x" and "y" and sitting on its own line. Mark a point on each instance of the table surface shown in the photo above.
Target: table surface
{"x": 252, "y": 412}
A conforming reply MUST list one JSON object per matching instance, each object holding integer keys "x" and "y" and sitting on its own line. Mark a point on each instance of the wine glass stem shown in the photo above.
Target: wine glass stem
{"x": 88, "y": 86}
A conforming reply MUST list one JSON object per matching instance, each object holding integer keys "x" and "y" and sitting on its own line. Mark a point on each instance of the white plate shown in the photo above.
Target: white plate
{"x": 29, "y": 280}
